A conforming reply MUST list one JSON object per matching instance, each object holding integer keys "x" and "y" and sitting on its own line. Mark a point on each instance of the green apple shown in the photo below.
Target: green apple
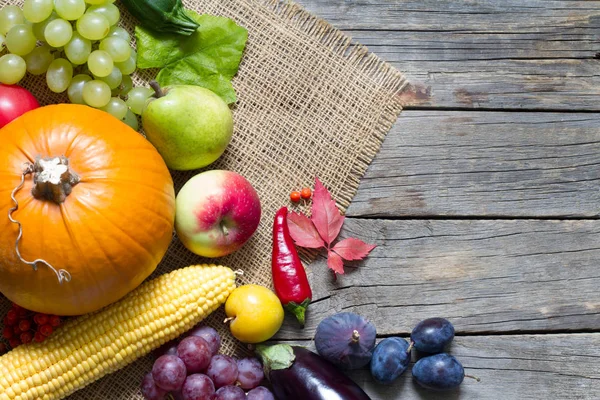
{"x": 190, "y": 126}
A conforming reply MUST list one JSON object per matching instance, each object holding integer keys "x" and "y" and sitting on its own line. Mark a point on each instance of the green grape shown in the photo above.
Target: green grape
{"x": 136, "y": 98}
{"x": 78, "y": 49}
{"x": 75, "y": 90}
{"x": 131, "y": 120}
{"x": 58, "y": 32}
{"x": 20, "y": 40}
{"x": 10, "y": 16}
{"x": 59, "y": 75}
{"x": 100, "y": 63}
{"x": 128, "y": 67}
{"x": 116, "y": 107}
{"x": 12, "y": 69}
{"x": 109, "y": 11}
{"x": 126, "y": 84}
{"x": 118, "y": 49}
{"x": 2, "y": 39}
{"x": 40, "y": 27}
{"x": 93, "y": 26}
{"x": 119, "y": 32}
{"x": 96, "y": 93}
{"x": 37, "y": 10}
{"x": 113, "y": 80}
{"x": 96, "y": 2}
{"x": 39, "y": 60}
{"x": 69, "y": 9}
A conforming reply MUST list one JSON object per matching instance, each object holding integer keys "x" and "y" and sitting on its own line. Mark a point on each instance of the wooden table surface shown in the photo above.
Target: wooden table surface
{"x": 484, "y": 199}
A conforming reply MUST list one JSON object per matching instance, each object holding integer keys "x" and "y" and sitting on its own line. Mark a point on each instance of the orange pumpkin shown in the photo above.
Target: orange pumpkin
{"x": 106, "y": 218}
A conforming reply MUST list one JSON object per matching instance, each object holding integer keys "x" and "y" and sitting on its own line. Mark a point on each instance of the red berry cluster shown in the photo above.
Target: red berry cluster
{"x": 305, "y": 194}
{"x": 23, "y": 326}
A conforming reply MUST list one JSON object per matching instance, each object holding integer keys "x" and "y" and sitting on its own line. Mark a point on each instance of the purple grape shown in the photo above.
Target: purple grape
{"x": 229, "y": 392}
{"x": 222, "y": 370}
{"x": 195, "y": 354}
{"x": 197, "y": 387}
{"x": 260, "y": 393}
{"x": 169, "y": 372}
{"x": 210, "y": 335}
{"x": 169, "y": 348}
{"x": 149, "y": 389}
{"x": 250, "y": 373}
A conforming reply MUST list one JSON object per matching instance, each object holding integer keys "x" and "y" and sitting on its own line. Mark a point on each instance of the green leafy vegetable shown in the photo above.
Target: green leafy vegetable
{"x": 209, "y": 57}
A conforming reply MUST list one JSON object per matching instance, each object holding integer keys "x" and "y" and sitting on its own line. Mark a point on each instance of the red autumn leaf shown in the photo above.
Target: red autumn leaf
{"x": 335, "y": 263}
{"x": 352, "y": 249}
{"x": 303, "y": 231}
{"x": 324, "y": 214}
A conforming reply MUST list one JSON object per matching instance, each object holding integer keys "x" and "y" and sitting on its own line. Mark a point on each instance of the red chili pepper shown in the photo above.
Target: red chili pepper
{"x": 289, "y": 276}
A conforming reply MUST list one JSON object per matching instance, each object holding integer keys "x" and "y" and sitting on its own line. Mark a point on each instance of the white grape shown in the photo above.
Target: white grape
{"x": 100, "y": 63}
{"x": 128, "y": 67}
{"x": 59, "y": 75}
{"x": 126, "y": 84}
{"x": 10, "y": 16}
{"x": 116, "y": 107}
{"x": 109, "y": 11}
{"x": 12, "y": 69}
{"x": 40, "y": 27}
{"x": 136, "y": 98}
{"x": 69, "y": 9}
{"x": 2, "y": 39}
{"x": 75, "y": 90}
{"x": 58, "y": 32}
{"x": 39, "y": 60}
{"x": 93, "y": 26}
{"x": 96, "y": 93}
{"x": 131, "y": 120}
{"x": 20, "y": 40}
{"x": 119, "y": 32}
{"x": 118, "y": 49}
{"x": 37, "y": 10}
{"x": 113, "y": 80}
{"x": 78, "y": 49}
{"x": 96, "y": 2}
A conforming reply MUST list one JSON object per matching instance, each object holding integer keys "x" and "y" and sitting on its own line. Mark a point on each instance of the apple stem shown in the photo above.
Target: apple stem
{"x": 228, "y": 320}
{"x": 158, "y": 92}
{"x": 224, "y": 229}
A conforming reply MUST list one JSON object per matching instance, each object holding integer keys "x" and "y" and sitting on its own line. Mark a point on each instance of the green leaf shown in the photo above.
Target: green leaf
{"x": 279, "y": 356}
{"x": 209, "y": 57}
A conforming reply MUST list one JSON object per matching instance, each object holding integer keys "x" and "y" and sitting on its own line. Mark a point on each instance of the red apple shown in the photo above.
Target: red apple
{"x": 217, "y": 211}
{"x": 14, "y": 101}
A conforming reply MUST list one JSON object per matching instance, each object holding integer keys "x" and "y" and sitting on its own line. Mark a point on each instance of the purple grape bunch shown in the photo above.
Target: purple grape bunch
{"x": 191, "y": 368}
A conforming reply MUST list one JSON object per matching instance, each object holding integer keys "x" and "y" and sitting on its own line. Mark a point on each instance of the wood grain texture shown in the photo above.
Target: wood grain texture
{"x": 486, "y": 276}
{"x": 483, "y": 54}
{"x": 507, "y": 164}
{"x": 510, "y": 367}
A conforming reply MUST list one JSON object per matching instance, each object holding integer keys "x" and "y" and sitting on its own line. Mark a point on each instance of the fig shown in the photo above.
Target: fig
{"x": 346, "y": 339}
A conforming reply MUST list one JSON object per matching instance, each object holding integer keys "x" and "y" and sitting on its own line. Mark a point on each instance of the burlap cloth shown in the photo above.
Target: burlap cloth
{"x": 310, "y": 103}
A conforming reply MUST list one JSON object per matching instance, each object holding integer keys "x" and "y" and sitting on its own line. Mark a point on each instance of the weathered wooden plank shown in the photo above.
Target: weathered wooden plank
{"x": 510, "y": 367}
{"x": 485, "y": 164}
{"x": 512, "y": 54}
{"x": 485, "y": 276}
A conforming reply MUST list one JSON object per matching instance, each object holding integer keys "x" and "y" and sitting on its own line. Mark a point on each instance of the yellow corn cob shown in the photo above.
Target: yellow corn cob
{"x": 94, "y": 345}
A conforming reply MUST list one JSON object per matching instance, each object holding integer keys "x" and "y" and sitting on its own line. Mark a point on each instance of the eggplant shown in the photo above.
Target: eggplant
{"x": 296, "y": 373}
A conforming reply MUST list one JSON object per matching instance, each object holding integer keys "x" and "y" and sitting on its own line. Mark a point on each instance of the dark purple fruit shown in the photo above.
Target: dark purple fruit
{"x": 438, "y": 372}
{"x": 432, "y": 335}
{"x": 346, "y": 340}
{"x": 390, "y": 359}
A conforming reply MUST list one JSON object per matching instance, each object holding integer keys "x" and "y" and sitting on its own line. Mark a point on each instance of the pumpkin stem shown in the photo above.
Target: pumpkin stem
{"x": 355, "y": 336}
{"x": 158, "y": 92}
{"x": 61, "y": 274}
{"x": 53, "y": 179}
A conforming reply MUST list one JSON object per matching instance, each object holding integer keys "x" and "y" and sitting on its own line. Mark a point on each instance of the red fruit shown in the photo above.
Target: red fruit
{"x": 26, "y": 337}
{"x": 46, "y": 330}
{"x": 14, "y": 342}
{"x": 24, "y": 325}
{"x": 12, "y": 315}
{"x": 306, "y": 193}
{"x": 16, "y": 330}
{"x": 7, "y": 333}
{"x": 38, "y": 337}
{"x": 54, "y": 320}
{"x": 41, "y": 319}
{"x": 295, "y": 196}
{"x": 15, "y": 101}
